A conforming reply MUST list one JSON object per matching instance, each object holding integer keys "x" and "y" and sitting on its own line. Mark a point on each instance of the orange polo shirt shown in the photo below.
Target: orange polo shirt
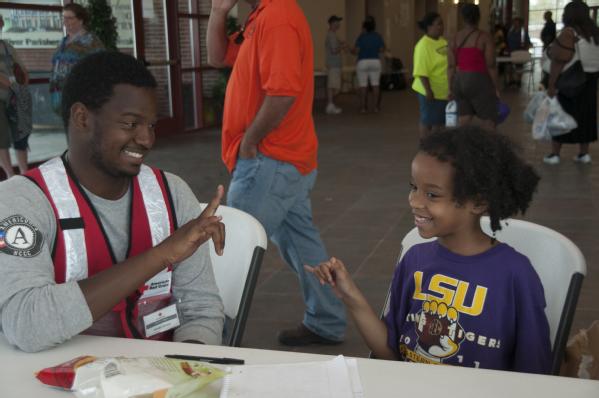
{"x": 276, "y": 58}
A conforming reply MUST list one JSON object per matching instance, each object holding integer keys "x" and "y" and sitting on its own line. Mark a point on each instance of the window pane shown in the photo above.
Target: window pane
{"x": 535, "y": 23}
{"x": 210, "y": 79}
{"x": 543, "y": 4}
{"x": 162, "y": 76}
{"x": 188, "y": 42}
{"x": 43, "y": 117}
{"x": 187, "y": 6}
{"x": 213, "y": 92}
{"x": 34, "y": 34}
{"x": 203, "y": 40}
{"x": 190, "y": 100}
{"x": 204, "y": 6}
{"x": 121, "y": 9}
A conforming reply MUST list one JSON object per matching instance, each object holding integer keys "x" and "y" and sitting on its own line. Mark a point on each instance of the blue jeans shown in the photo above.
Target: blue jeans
{"x": 279, "y": 197}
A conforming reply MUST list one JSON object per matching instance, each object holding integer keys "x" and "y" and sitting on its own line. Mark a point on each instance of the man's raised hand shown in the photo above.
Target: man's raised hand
{"x": 209, "y": 211}
{"x": 186, "y": 240}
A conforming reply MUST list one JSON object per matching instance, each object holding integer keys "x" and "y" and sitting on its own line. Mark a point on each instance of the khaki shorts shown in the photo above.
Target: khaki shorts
{"x": 334, "y": 78}
{"x": 368, "y": 70}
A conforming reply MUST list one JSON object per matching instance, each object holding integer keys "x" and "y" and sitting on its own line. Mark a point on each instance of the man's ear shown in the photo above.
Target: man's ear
{"x": 80, "y": 116}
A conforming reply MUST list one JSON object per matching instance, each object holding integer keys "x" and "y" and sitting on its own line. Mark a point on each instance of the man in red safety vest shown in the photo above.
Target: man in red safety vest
{"x": 95, "y": 241}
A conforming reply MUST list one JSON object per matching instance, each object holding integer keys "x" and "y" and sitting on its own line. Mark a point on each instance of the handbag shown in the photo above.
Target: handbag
{"x": 570, "y": 82}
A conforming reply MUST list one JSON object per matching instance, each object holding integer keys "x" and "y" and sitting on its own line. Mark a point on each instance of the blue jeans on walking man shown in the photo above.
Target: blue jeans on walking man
{"x": 279, "y": 197}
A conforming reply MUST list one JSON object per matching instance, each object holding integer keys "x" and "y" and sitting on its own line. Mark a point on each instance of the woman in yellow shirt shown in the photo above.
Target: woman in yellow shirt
{"x": 430, "y": 73}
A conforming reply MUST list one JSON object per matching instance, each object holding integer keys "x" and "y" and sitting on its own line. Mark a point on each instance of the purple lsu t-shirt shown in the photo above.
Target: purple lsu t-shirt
{"x": 482, "y": 311}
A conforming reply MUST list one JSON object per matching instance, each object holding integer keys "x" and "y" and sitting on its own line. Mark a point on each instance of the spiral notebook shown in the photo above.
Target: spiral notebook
{"x": 337, "y": 378}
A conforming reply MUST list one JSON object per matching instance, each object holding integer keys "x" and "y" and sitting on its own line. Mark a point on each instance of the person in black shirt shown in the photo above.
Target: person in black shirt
{"x": 548, "y": 33}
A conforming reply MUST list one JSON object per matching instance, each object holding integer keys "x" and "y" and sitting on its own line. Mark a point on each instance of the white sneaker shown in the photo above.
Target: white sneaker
{"x": 586, "y": 158}
{"x": 551, "y": 159}
{"x": 332, "y": 110}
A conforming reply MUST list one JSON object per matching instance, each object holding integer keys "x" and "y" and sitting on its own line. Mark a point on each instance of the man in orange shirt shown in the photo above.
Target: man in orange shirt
{"x": 269, "y": 144}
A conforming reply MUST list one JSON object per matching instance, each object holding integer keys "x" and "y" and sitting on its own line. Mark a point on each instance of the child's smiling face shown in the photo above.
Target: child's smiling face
{"x": 436, "y": 214}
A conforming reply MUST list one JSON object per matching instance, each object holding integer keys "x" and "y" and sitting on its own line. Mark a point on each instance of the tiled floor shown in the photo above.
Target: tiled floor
{"x": 360, "y": 205}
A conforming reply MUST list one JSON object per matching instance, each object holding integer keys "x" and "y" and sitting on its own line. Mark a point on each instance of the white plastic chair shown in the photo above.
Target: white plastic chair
{"x": 558, "y": 262}
{"x": 236, "y": 271}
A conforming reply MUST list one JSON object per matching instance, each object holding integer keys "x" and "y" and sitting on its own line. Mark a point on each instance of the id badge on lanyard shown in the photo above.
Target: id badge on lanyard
{"x": 155, "y": 312}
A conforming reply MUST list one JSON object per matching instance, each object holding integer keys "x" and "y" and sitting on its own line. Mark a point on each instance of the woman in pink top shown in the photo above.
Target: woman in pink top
{"x": 472, "y": 71}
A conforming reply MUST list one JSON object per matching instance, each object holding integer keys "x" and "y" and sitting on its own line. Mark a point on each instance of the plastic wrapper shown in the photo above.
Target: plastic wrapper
{"x": 582, "y": 354}
{"x": 151, "y": 377}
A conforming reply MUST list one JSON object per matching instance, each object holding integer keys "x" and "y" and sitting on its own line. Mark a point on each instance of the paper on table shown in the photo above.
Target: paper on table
{"x": 337, "y": 378}
{"x": 354, "y": 377}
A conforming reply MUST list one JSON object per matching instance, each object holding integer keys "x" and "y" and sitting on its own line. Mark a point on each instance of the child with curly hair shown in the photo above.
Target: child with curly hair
{"x": 463, "y": 299}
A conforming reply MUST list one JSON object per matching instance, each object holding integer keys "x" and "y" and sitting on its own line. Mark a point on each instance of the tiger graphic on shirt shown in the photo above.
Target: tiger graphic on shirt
{"x": 437, "y": 325}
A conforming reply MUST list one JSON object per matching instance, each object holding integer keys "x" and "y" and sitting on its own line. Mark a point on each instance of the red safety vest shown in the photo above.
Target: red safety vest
{"x": 81, "y": 248}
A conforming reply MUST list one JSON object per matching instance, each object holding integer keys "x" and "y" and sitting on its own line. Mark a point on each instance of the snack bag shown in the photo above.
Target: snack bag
{"x": 152, "y": 377}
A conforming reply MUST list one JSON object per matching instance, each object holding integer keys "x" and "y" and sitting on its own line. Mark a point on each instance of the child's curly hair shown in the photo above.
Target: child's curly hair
{"x": 487, "y": 170}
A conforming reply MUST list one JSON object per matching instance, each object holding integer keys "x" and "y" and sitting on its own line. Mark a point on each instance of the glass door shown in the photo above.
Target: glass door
{"x": 155, "y": 44}
{"x": 202, "y": 87}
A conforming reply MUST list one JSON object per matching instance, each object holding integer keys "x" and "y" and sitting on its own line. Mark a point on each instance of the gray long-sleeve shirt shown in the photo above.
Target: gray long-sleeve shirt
{"x": 36, "y": 313}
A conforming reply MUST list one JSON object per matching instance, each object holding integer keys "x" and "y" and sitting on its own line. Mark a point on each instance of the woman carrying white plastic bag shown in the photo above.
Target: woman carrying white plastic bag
{"x": 578, "y": 41}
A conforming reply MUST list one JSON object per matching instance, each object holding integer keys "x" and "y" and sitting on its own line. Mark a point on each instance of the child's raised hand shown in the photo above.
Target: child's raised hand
{"x": 334, "y": 273}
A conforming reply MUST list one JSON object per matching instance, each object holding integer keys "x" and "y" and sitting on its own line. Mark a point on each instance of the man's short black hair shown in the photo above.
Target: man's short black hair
{"x": 487, "y": 169}
{"x": 92, "y": 80}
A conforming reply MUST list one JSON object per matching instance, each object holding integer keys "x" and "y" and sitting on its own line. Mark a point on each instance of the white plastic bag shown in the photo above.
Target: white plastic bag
{"x": 533, "y": 105}
{"x": 551, "y": 120}
{"x": 540, "y": 131}
{"x": 559, "y": 121}
{"x": 451, "y": 114}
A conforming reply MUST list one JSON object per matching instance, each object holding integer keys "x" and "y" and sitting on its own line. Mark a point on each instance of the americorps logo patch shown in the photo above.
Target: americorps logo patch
{"x": 19, "y": 237}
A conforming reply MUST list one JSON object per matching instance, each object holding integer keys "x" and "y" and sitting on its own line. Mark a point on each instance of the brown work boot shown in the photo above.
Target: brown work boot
{"x": 301, "y": 336}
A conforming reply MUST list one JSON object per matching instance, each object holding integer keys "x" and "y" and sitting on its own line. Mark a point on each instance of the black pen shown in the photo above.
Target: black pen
{"x": 220, "y": 361}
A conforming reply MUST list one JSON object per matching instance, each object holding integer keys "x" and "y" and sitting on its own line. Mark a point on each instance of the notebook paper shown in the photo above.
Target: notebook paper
{"x": 337, "y": 378}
